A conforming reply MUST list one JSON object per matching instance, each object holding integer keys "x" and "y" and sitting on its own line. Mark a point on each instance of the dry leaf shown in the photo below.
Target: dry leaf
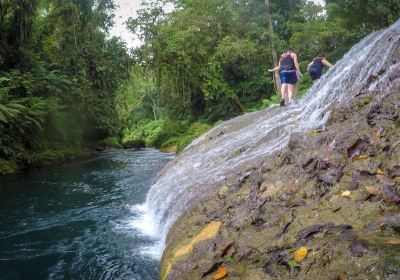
{"x": 373, "y": 190}
{"x": 396, "y": 144}
{"x": 360, "y": 157}
{"x": 377, "y": 137}
{"x": 385, "y": 180}
{"x": 346, "y": 193}
{"x": 300, "y": 254}
{"x": 393, "y": 242}
{"x": 379, "y": 171}
{"x": 221, "y": 273}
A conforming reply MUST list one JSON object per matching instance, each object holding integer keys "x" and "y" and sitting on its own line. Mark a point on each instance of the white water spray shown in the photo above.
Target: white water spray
{"x": 242, "y": 143}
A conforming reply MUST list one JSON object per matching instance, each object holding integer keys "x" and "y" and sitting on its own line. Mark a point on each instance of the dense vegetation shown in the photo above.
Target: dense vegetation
{"x": 65, "y": 85}
{"x": 59, "y": 74}
{"x": 206, "y": 60}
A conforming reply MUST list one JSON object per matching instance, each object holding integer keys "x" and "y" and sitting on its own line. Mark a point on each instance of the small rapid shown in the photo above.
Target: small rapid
{"x": 243, "y": 142}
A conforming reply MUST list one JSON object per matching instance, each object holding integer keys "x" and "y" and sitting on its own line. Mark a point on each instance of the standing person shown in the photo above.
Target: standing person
{"x": 289, "y": 72}
{"x": 315, "y": 67}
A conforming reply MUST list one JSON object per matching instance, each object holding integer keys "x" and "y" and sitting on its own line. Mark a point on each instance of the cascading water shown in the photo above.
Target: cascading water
{"x": 242, "y": 143}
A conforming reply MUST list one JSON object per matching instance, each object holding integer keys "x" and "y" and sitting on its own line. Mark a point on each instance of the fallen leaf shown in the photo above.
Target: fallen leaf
{"x": 360, "y": 157}
{"x": 395, "y": 172}
{"x": 377, "y": 138}
{"x": 373, "y": 190}
{"x": 221, "y": 273}
{"x": 300, "y": 254}
{"x": 341, "y": 276}
{"x": 379, "y": 172}
{"x": 346, "y": 194}
{"x": 393, "y": 242}
{"x": 385, "y": 180}
{"x": 396, "y": 144}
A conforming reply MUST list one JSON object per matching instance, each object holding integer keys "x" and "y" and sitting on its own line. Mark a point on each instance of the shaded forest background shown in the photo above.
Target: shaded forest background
{"x": 66, "y": 87}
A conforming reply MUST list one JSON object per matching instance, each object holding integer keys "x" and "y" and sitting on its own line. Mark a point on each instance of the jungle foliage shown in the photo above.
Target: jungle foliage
{"x": 206, "y": 60}
{"x": 59, "y": 75}
{"x": 65, "y": 84}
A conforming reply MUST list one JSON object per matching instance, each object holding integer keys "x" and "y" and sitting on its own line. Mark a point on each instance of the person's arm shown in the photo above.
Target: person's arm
{"x": 326, "y": 63}
{"x": 276, "y": 68}
{"x": 309, "y": 65}
{"x": 296, "y": 64}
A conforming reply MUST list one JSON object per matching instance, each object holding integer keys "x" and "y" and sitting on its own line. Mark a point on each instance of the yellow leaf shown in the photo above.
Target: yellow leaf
{"x": 221, "y": 273}
{"x": 300, "y": 254}
{"x": 346, "y": 193}
{"x": 359, "y": 157}
{"x": 379, "y": 171}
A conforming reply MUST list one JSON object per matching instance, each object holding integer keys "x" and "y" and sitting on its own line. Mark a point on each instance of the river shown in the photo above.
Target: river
{"x": 80, "y": 220}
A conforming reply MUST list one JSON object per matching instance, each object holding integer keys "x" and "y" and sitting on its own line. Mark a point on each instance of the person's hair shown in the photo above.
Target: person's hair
{"x": 322, "y": 55}
{"x": 290, "y": 50}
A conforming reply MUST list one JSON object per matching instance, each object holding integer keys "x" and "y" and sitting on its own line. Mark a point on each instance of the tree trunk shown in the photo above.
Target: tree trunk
{"x": 237, "y": 105}
{"x": 277, "y": 80}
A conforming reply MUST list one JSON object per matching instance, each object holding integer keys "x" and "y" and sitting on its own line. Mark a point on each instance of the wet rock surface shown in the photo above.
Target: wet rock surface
{"x": 294, "y": 200}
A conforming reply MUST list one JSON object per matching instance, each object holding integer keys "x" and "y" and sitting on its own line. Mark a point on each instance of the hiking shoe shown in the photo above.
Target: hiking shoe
{"x": 282, "y": 102}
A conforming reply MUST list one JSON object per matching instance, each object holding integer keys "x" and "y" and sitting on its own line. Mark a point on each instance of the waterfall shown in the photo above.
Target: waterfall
{"x": 243, "y": 142}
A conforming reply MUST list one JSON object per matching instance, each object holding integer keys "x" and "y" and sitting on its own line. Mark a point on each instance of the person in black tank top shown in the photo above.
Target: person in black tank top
{"x": 315, "y": 67}
{"x": 289, "y": 72}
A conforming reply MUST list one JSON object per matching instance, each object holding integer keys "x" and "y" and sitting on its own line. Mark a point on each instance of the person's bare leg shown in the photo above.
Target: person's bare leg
{"x": 290, "y": 93}
{"x": 284, "y": 91}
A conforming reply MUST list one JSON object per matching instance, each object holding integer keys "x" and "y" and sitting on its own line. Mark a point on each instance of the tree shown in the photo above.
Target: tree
{"x": 364, "y": 16}
{"x": 59, "y": 73}
{"x": 273, "y": 49}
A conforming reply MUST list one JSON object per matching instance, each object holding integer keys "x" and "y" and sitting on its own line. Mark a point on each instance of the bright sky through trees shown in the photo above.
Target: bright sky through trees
{"x": 128, "y": 8}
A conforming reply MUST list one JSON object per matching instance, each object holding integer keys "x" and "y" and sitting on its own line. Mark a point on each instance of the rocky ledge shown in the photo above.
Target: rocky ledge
{"x": 326, "y": 207}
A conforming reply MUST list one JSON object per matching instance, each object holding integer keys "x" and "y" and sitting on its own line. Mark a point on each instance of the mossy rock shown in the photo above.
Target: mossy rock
{"x": 364, "y": 101}
{"x": 169, "y": 149}
{"x": 110, "y": 142}
{"x": 134, "y": 144}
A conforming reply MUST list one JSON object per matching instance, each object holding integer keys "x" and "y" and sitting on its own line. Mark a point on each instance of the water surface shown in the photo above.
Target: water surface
{"x": 76, "y": 220}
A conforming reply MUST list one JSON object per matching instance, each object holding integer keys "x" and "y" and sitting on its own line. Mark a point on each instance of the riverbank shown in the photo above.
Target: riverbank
{"x": 31, "y": 159}
{"x": 166, "y": 135}
{"x": 170, "y": 138}
{"x": 328, "y": 204}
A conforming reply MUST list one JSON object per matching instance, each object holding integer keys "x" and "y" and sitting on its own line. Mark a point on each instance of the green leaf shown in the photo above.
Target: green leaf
{"x": 293, "y": 263}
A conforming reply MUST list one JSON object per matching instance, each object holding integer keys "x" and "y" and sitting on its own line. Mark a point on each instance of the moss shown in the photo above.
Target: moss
{"x": 45, "y": 157}
{"x": 7, "y": 166}
{"x": 312, "y": 134}
{"x": 59, "y": 154}
{"x": 364, "y": 101}
{"x": 169, "y": 149}
{"x": 186, "y": 136}
{"x": 110, "y": 142}
{"x": 134, "y": 144}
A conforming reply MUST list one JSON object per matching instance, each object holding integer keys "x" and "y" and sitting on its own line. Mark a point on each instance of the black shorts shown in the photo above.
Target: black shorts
{"x": 315, "y": 74}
